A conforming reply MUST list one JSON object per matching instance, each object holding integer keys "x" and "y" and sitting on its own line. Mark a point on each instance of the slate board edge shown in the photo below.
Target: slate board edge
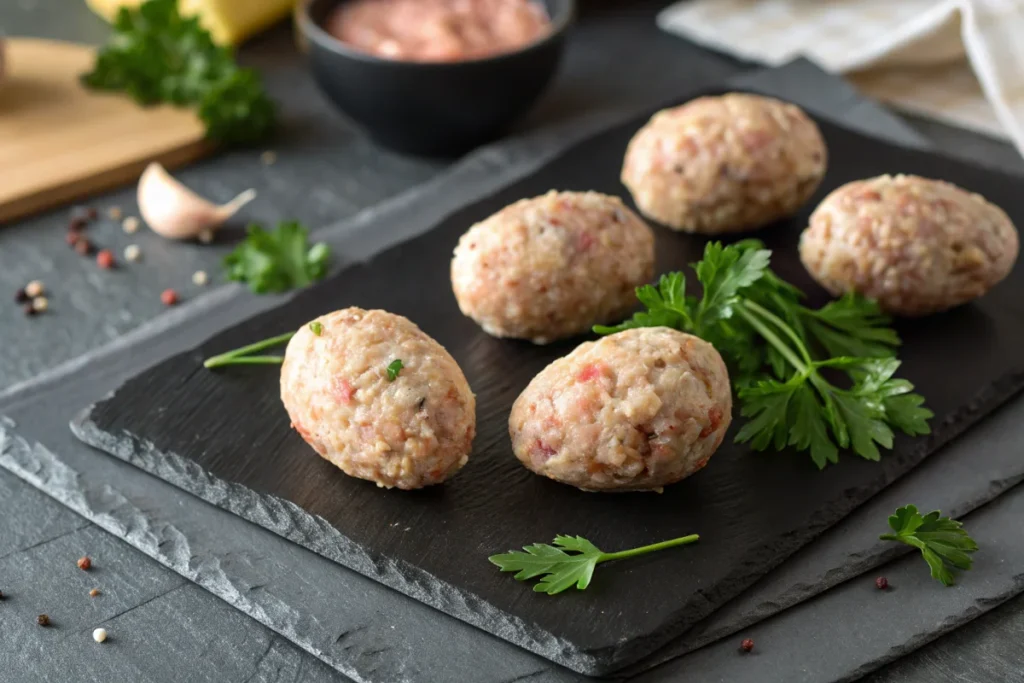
{"x": 314, "y": 533}
{"x": 289, "y": 521}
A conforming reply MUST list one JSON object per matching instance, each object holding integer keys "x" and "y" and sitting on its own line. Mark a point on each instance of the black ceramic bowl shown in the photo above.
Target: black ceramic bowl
{"x": 440, "y": 108}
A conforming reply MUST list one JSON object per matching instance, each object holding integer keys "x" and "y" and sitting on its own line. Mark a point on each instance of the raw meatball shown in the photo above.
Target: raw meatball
{"x": 916, "y": 245}
{"x": 724, "y": 164}
{"x": 636, "y": 410}
{"x": 411, "y": 432}
{"x": 552, "y": 266}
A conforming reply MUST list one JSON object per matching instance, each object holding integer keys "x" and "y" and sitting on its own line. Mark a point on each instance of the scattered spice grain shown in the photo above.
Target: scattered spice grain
{"x": 132, "y": 253}
{"x": 72, "y": 238}
{"x": 84, "y": 563}
{"x": 20, "y": 296}
{"x": 99, "y": 635}
{"x": 40, "y": 304}
{"x": 200, "y": 278}
{"x": 29, "y": 310}
{"x": 34, "y": 289}
{"x": 91, "y": 213}
{"x": 169, "y": 297}
{"x": 130, "y": 225}
{"x": 105, "y": 259}
{"x": 43, "y": 620}
{"x": 83, "y": 246}
{"x": 94, "y": 592}
{"x": 881, "y": 583}
{"x": 747, "y": 645}
{"x": 114, "y": 213}
{"x": 77, "y": 224}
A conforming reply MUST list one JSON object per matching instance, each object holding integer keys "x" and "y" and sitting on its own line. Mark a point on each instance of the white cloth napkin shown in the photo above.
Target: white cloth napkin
{"x": 960, "y": 61}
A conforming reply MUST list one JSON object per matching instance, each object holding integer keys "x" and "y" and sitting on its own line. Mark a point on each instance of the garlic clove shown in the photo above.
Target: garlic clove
{"x": 176, "y": 212}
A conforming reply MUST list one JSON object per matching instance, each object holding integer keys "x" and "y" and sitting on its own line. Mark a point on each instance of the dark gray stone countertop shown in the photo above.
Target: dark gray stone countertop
{"x": 325, "y": 172}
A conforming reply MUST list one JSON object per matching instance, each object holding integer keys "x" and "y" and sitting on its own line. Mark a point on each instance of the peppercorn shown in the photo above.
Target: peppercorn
{"x": 747, "y": 645}
{"x": 132, "y": 253}
{"x": 83, "y": 246}
{"x": 43, "y": 620}
{"x": 99, "y": 635}
{"x": 881, "y": 583}
{"x": 34, "y": 289}
{"x": 84, "y": 563}
{"x": 91, "y": 213}
{"x": 1, "y": 595}
{"x": 105, "y": 259}
{"x": 77, "y": 224}
{"x": 40, "y": 304}
{"x": 72, "y": 238}
{"x": 200, "y": 278}
{"x": 94, "y": 592}
{"x": 29, "y": 310}
{"x": 169, "y": 297}
{"x": 21, "y": 296}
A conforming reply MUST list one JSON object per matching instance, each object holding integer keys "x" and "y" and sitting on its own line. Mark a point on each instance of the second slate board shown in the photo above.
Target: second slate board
{"x": 752, "y": 510}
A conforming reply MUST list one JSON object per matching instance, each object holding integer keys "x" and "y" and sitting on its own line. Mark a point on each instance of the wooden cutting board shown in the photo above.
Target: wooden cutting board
{"x": 60, "y": 142}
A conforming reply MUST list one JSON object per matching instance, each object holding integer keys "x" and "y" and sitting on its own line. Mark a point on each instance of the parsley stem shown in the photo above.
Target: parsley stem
{"x": 245, "y": 360}
{"x": 748, "y": 314}
{"x": 643, "y": 550}
{"x": 242, "y": 355}
{"x": 782, "y": 325}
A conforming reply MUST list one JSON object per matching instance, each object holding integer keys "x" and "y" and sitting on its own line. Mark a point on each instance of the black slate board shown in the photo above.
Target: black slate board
{"x": 752, "y": 510}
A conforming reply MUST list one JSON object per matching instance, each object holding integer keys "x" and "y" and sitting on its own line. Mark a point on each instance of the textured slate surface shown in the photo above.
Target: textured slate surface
{"x": 762, "y": 510}
{"x": 972, "y": 654}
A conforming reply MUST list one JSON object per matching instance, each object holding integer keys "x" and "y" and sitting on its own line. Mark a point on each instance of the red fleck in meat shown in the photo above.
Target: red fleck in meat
{"x": 585, "y": 241}
{"x": 542, "y": 452}
{"x": 714, "y": 419}
{"x": 592, "y": 371}
{"x": 343, "y": 391}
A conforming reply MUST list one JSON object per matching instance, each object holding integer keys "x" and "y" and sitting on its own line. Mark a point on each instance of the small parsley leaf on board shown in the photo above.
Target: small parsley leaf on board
{"x": 394, "y": 368}
{"x": 156, "y": 55}
{"x": 943, "y": 542}
{"x": 278, "y": 260}
{"x": 569, "y": 562}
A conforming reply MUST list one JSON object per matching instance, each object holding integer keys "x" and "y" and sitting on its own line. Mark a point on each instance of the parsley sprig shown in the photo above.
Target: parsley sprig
{"x": 779, "y": 352}
{"x": 943, "y": 542}
{"x": 570, "y": 561}
{"x": 277, "y": 260}
{"x": 156, "y": 55}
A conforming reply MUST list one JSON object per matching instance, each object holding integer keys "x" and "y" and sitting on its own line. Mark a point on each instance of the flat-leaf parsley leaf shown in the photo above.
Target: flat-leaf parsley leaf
{"x": 570, "y": 561}
{"x": 278, "y": 260}
{"x": 777, "y": 350}
{"x": 156, "y": 55}
{"x": 943, "y": 542}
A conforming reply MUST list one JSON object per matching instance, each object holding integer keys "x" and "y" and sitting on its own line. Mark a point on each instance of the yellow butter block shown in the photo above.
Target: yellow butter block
{"x": 228, "y": 21}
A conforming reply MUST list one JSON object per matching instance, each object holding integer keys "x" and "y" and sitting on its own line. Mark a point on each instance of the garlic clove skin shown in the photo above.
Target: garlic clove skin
{"x": 176, "y": 212}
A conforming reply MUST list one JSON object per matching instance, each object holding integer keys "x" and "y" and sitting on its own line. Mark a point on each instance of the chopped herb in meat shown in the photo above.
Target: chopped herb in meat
{"x": 393, "y": 369}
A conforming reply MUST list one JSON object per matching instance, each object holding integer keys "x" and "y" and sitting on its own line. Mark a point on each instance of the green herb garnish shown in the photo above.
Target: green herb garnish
{"x": 316, "y": 328}
{"x": 559, "y": 570}
{"x": 156, "y": 55}
{"x": 776, "y": 350}
{"x": 244, "y": 355}
{"x": 393, "y": 369}
{"x": 943, "y": 542}
{"x": 277, "y": 261}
